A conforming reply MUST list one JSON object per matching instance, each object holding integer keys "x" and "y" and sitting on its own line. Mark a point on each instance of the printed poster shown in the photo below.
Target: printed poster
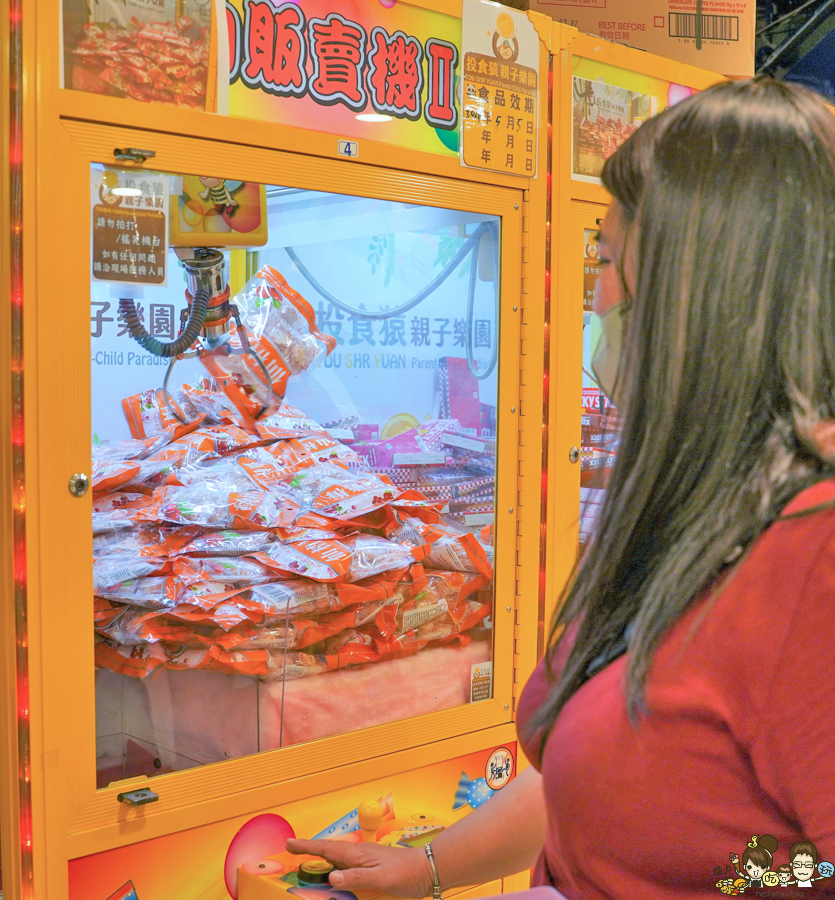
{"x": 357, "y": 69}
{"x": 154, "y": 51}
{"x": 610, "y": 104}
{"x": 500, "y": 90}
{"x": 129, "y": 226}
{"x": 604, "y": 116}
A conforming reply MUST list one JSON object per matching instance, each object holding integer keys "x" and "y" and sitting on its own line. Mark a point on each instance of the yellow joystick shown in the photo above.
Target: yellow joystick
{"x": 370, "y": 815}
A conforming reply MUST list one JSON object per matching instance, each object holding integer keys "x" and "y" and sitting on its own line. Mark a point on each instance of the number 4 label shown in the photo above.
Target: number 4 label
{"x": 349, "y": 148}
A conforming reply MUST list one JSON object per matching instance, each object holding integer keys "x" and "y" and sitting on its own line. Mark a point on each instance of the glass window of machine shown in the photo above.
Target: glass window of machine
{"x": 294, "y": 459}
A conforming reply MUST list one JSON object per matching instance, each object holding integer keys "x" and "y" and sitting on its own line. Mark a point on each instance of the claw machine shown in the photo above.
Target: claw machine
{"x": 606, "y": 91}
{"x": 272, "y": 463}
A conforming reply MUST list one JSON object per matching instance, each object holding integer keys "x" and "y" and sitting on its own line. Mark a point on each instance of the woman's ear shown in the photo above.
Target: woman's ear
{"x": 823, "y": 434}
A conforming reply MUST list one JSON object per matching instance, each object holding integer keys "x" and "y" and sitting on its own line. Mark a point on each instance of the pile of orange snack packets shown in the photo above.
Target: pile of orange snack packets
{"x": 267, "y": 550}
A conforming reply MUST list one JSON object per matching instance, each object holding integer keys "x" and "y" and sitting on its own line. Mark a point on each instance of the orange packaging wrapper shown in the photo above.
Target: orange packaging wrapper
{"x": 227, "y": 543}
{"x": 251, "y": 470}
{"x": 109, "y": 475}
{"x": 148, "y": 416}
{"x": 154, "y": 592}
{"x": 423, "y": 620}
{"x": 450, "y": 547}
{"x": 120, "y": 451}
{"x": 286, "y": 424}
{"x": 112, "y": 570}
{"x": 281, "y": 326}
{"x": 300, "y": 598}
{"x": 350, "y": 648}
{"x": 205, "y": 443}
{"x": 138, "y": 661}
{"x": 285, "y": 666}
{"x": 222, "y": 570}
{"x": 436, "y": 597}
{"x": 145, "y": 540}
{"x": 345, "y": 559}
{"x": 214, "y": 404}
{"x": 130, "y": 626}
{"x": 322, "y": 448}
{"x": 296, "y": 634}
{"x": 250, "y": 510}
{"x": 117, "y": 511}
{"x": 340, "y": 493}
{"x": 269, "y": 472}
{"x": 105, "y": 611}
{"x": 359, "y": 647}
{"x": 166, "y": 592}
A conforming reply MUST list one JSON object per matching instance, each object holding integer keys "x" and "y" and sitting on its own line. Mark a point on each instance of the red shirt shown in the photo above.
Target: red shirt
{"x": 739, "y": 740}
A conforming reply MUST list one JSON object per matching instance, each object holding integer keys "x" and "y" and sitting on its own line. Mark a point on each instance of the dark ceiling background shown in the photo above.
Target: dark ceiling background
{"x": 788, "y": 31}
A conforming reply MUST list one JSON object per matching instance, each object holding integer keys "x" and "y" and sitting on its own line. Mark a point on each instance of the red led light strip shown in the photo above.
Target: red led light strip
{"x": 18, "y": 439}
{"x": 543, "y": 512}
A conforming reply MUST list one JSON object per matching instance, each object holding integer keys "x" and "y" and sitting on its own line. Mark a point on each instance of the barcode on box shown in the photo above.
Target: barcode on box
{"x": 712, "y": 28}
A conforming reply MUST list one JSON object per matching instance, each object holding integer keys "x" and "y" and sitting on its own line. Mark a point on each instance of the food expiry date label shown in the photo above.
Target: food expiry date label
{"x": 297, "y": 671}
{"x": 414, "y": 618}
{"x": 281, "y": 594}
{"x": 475, "y": 519}
{"x": 419, "y": 459}
{"x": 456, "y": 440}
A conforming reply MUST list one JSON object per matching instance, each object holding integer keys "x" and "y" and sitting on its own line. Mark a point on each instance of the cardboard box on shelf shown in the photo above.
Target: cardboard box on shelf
{"x": 717, "y": 35}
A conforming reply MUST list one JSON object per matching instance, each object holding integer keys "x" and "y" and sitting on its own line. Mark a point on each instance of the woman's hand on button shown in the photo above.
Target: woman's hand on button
{"x": 395, "y": 871}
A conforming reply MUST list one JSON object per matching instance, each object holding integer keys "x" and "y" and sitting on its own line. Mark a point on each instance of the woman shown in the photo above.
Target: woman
{"x": 714, "y": 565}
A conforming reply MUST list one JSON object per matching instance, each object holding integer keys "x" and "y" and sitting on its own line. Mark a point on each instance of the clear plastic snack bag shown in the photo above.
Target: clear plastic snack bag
{"x": 281, "y": 329}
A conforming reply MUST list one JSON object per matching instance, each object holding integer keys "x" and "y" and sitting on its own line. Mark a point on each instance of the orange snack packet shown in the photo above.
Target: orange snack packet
{"x": 353, "y": 558}
{"x": 281, "y": 328}
{"x": 340, "y": 493}
{"x": 450, "y": 547}
{"x": 250, "y": 510}
{"x": 148, "y": 415}
{"x": 222, "y": 570}
{"x": 322, "y": 448}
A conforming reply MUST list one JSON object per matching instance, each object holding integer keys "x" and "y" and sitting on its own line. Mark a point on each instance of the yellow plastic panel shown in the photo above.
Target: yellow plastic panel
{"x": 482, "y": 890}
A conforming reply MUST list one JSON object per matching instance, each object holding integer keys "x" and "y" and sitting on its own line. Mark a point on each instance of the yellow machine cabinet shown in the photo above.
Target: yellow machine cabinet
{"x": 603, "y": 92}
{"x": 271, "y": 336}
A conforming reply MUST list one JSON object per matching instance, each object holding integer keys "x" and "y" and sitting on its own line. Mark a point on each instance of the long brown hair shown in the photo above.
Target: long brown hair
{"x": 728, "y": 363}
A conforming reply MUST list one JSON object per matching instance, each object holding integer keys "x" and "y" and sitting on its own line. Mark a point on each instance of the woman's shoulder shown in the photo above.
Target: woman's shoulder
{"x": 765, "y": 621}
{"x": 799, "y": 547}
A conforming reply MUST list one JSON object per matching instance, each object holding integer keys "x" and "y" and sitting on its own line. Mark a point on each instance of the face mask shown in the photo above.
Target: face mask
{"x": 606, "y": 358}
